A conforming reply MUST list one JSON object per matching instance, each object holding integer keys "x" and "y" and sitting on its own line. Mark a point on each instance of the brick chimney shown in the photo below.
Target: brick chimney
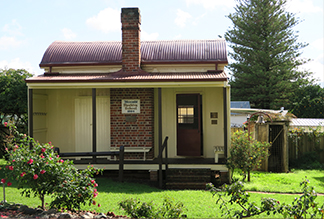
{"x": 131, "y": 45}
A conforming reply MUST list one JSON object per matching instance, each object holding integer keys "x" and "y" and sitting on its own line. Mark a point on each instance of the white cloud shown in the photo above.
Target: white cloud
{"x": 13, "y": 28}
{"x": 177, "y": 37}
{"x": 211, "y": 4}
{"x": 8, "y": 42}
{"x": 149, "y": 37}
{"x": 197, "y": 19}
{"x": 182, "y": 18}
{"x": 317, "y": 67}
{"x": 68, "y": 33}
{"x": 107, "y": 20}
{"x": 16, "y": 64}
{"x": 302, "y": 6}
{"x": 318, "y": 44}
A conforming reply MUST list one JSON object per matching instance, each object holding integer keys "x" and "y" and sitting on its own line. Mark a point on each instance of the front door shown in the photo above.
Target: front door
{"x": 189, "y": 133}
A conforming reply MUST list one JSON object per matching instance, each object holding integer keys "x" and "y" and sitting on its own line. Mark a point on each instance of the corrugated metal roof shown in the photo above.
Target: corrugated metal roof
{"x": 68, "y": 53}
{"x": 196, "y": 76}
{"x": 240, "y": 104}
{"x": 305, "y": 122}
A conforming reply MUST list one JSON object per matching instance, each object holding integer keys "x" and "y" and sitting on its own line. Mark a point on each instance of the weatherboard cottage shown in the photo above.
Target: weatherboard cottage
{"x": 98, "y": 96}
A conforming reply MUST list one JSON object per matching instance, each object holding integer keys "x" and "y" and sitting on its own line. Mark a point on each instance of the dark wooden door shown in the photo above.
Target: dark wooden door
{"x": 189, "y": 133}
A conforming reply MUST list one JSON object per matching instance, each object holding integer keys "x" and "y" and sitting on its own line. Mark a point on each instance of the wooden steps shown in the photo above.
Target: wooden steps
{"x": 181, "y": 179}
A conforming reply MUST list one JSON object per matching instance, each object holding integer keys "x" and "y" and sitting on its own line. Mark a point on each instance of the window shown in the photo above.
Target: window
{"x": 186, "y": 114}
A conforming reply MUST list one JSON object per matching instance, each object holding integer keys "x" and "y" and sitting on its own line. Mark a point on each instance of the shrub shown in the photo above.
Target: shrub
{"x": 246, "y": 153}
{"x": 309, "y": 160}
{"x": 137, "y": 209}
{"x": 40, "y": 172}
{"x": 235, "y": 194}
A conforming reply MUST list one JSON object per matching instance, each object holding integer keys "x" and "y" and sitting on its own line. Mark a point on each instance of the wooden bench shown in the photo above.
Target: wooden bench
{"x": 133, "y": 149}
{"x": 218, "y": 150}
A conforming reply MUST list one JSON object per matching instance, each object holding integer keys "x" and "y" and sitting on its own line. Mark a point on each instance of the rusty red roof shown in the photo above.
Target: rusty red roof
{"x": 113, "y": 77}
{"x": 80, "y": 53}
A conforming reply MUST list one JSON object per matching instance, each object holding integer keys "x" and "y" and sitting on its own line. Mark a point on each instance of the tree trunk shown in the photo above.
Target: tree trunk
{"x": 42, "y": 197}
{"x": 249, "y": 177}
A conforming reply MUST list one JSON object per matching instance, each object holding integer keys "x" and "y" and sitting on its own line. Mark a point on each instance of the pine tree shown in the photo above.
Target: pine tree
{"x": 266, "y": 53}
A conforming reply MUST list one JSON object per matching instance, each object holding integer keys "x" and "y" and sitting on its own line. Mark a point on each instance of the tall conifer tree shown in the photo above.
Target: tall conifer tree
{"x": 266, "y": 53}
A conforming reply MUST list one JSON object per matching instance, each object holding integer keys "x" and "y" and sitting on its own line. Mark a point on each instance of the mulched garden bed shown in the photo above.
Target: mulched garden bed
{"x": 8, "y": 210}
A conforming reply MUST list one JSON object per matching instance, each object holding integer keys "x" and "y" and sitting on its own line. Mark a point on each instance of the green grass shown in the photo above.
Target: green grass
{"x": 284, "y": 182}
{"x": 199, "y": 204}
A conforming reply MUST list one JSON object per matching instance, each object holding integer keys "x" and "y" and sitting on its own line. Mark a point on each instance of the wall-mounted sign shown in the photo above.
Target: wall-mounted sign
{"x": 131, "y": 106}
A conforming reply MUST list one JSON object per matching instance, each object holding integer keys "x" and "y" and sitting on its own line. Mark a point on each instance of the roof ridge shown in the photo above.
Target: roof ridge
{"x": 115, "y": 41}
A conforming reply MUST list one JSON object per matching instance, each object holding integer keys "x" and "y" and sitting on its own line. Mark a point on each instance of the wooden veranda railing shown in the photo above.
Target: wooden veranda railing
{"x": 103, "y": 153}
{"x": 164, "y": 147}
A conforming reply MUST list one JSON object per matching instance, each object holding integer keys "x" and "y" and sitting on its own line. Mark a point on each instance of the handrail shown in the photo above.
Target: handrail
{"x": 102, "y": 153}
{"x": 163, "y": 146}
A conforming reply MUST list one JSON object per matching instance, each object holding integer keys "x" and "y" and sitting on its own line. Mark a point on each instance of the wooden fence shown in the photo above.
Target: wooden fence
{"x": 299, "y": 146}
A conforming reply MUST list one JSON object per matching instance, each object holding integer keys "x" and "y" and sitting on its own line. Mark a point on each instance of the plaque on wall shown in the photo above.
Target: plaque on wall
{"x": 131, "y": 106}
{"x": 130, "y": 118}
{"x": 213, "y": 115}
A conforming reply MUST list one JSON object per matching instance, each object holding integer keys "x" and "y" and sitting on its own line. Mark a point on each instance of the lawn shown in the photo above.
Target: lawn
{"x": 199, "y": 204}
{"x": 284, "y": 182}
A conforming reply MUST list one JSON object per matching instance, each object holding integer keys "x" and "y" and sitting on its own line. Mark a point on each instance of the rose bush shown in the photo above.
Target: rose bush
{"x": 40, "y": 171}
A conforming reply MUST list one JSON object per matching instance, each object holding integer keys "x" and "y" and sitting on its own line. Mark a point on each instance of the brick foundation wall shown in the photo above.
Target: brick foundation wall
{"x": 132, "y": 134}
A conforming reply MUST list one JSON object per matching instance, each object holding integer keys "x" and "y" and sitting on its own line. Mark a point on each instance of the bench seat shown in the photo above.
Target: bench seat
{"x": 133, "y": 149}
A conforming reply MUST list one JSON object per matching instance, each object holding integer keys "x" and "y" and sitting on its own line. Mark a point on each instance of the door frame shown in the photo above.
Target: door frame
{"x": 199, "y": 153}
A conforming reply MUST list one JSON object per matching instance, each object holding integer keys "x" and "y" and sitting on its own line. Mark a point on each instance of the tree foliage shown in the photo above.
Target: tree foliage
{"x": 246, "y": 153}
{"x": 266, "y": 53}
{"x": 13, "y": 101}
{"x": 13, "y": 95}
{"x": 308, "y": 102}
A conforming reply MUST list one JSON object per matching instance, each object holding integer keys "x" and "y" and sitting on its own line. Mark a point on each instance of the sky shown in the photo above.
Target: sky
{"x": 28, "y": 27}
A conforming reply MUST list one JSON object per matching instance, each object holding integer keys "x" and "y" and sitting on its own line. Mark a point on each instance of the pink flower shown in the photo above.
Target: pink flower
{"x": 94, "y": 202}
{"x": 6, "y": 149}
{"x": 51, "y": 158}
{"x": 96, "y": 185}
{"x": 9, "y": 183}
{"x": 30, "y": 161}
{"x": 5, "y": 124}
{"x": 61, "y": 161}
{"x": 22, "y": 174}
{"x": 11, "y": 168}
{"x": 41, "y": 156}
{"x": 43, "y": 150}
{"x": 99, "y": 205}
{"x": 16, "y": 146}
{"x": 57, "y": 155}
{"x": 3, "y": 180}
{"x": 13, "y": 160}
{"x": 95, "y": 190}
{"x": 35, "y": 176}
{"x": 92, "y": 181}
{"x": 50, "y": 142}
{"x": 42, "y": 171}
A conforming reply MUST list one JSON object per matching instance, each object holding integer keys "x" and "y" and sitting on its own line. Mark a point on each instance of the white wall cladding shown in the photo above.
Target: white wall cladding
{"x": 83, "y": 124}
